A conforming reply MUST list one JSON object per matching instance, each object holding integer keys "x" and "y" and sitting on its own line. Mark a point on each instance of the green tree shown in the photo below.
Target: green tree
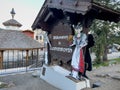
{"x": 105, "y": 32}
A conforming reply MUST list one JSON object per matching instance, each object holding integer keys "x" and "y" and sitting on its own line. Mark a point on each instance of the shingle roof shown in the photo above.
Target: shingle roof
{"x": 12, "y": 22}
{"x": 1, "y": 29}
{"x": 28, "y": 31}
{"x": 53, "y": 9}
{"x": 10, "y": 39}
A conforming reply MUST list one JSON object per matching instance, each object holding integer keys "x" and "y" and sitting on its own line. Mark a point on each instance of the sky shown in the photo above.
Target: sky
{"x": 26, "y": 11}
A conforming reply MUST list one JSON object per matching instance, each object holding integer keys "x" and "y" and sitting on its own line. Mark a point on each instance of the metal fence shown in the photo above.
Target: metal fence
{"x": 15, "y": 61}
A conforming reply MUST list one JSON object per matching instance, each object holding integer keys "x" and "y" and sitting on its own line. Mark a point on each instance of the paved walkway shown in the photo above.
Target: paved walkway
{"x": 109, "y": 77}
{"x": 26, "y": 81}
{"x": 103, "y": 75}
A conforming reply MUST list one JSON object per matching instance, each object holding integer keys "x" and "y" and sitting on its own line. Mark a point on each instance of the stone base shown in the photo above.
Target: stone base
{"x": 59, "y": 77}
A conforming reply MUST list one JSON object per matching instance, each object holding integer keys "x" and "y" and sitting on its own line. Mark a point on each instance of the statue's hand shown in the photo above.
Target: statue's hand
{"x": 72, "y": 45}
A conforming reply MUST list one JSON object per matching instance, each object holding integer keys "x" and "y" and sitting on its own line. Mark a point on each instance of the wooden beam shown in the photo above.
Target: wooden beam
{"x": 2, "y": 49}
{"x": 48, "y": 16}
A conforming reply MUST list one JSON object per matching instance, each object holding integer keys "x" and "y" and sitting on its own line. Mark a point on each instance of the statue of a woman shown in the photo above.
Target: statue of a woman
{"x": 77, "y": 63}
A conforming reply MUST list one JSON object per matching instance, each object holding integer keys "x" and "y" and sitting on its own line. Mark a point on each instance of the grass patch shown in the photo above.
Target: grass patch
{"x": 107, "y": 63}
{"x": 117, "y": 60}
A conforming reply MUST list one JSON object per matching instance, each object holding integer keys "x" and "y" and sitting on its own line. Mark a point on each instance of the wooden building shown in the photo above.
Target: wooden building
{"x": 57, "y": 16}
{"x": 17, "y": 50}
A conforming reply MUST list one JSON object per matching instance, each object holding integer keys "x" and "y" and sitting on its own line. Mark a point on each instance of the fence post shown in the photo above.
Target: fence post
{"x": 37, "y": 58}
{"x": 26, "y": 59}
{"x": 1, "y": 59}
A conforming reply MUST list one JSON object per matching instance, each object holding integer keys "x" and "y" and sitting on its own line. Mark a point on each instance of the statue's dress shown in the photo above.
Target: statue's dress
{"x": 78, "y": 57}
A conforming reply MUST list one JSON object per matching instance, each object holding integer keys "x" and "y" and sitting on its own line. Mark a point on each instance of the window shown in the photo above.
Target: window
{"x": 36, "y": 37}
{"x": 40, "y": 37}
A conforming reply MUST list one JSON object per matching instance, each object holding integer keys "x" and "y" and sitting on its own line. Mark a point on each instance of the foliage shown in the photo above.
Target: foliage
{"x": 100, "y": 64}
{"x": 106, "y": 33}
{"x": 107, "y": 63}
{"x": 114, "y": 4}
{"x": 117, "y": 60}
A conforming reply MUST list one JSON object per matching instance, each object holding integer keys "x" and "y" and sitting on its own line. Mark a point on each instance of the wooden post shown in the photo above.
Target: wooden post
{"x": 1, "y": 59}
{"x": 26, "y": 59}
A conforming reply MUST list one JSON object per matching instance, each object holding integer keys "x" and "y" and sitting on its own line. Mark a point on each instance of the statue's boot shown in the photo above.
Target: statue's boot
{"x": 75, "y": 74}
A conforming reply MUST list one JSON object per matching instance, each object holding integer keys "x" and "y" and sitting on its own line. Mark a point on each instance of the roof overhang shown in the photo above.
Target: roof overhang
{"x": 105, "y": 13}
{"x": 52, "y": 9}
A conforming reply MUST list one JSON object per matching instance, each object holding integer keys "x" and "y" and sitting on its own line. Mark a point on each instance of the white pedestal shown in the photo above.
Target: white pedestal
{"x": 59, "y": 77}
